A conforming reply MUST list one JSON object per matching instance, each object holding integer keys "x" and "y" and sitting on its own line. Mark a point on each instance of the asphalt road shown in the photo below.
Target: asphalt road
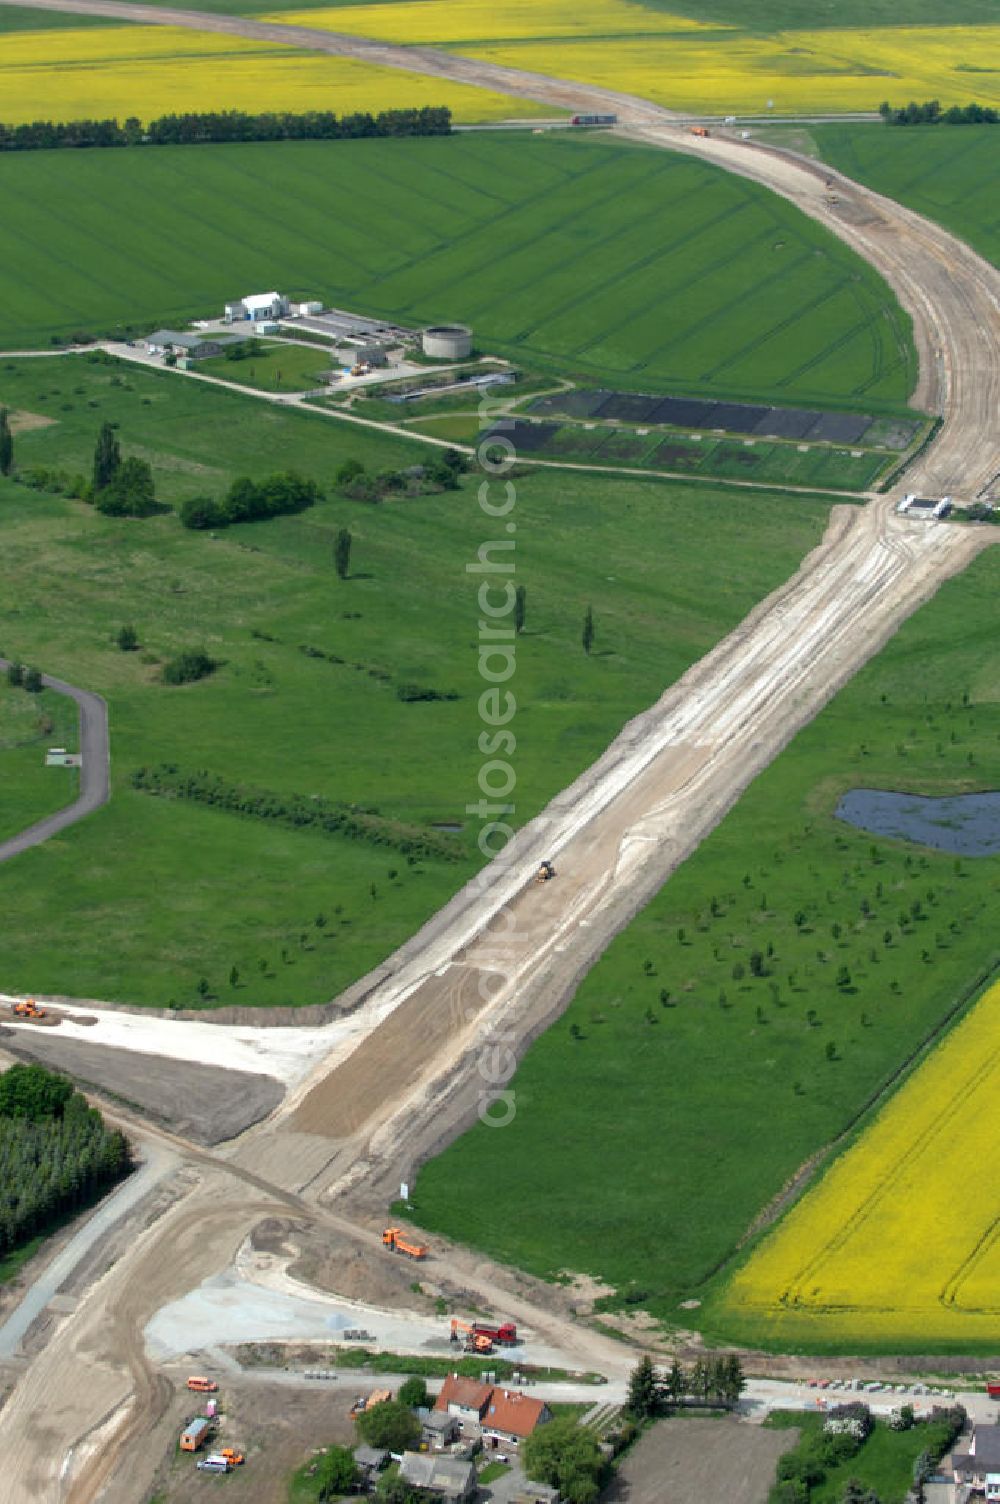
{"x": 95, "y": 770}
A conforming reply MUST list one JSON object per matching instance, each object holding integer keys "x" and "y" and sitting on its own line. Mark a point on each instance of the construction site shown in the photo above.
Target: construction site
{"x": 203, "y": 1317}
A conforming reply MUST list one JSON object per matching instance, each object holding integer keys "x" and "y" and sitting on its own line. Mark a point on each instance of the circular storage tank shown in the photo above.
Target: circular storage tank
{"x": 448, "y": 341}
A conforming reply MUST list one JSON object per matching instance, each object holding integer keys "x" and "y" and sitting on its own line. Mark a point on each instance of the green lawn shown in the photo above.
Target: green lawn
{"x": 884, "y": 1464}
{"x": 279, "y": 368}
{"x": 624, "y": 265}
{"x": 157, "y": 894}
{"x": 29, "y": 724}
{"x": 694, "y": 1089}
{"x": 947, "y": 173}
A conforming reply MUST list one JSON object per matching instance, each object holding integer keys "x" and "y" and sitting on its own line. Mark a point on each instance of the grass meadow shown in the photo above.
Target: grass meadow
{"x": 947, "y": 173}
{"x": 99, "y": 71}
{"x": 154, "y": 895}
{"x": 682, "y": 1090}
{"x": 622, "y": 265}
{"x": 29, "y": 724}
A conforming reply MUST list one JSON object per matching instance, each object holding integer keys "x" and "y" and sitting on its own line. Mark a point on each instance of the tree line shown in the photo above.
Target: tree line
{"x": 931, "y": 113}
{"x": 653, "y": 1392}
{"x": 296, "y": 810}
{"x": 252, "y": 501}
{"x": 56, "y": 1153}
{"x": 194, "y": 129}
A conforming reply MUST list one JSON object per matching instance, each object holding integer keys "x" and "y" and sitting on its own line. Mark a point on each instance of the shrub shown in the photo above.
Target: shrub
{"x": 188, "y": 667}
{"x": 202, "y": 512}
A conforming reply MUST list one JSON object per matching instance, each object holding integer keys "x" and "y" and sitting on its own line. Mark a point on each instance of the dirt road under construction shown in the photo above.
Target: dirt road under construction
{"x": 503, "y": 957}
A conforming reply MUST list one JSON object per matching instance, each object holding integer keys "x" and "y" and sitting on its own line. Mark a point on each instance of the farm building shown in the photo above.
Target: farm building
{"x": 979, "y": 1467}
{"x": 464, "y": 1398}
{"x": 194, "y": 346}
{"x": 370, "y": 1461}
{"x": 511, "y": 1417}
{"x": 449, "y": 1477}
{"x": 438, "y": 1428}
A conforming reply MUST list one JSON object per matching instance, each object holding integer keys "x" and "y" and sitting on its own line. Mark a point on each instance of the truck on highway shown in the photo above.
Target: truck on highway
{"x": 392, "y": 1238}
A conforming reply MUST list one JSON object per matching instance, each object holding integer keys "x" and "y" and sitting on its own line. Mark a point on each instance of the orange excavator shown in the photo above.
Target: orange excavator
{"x": 475, "y": 1342}
{"x": 232, "y": 1456}
{"x": 29, "y": 1009}
{"x": 394, "y": 1240}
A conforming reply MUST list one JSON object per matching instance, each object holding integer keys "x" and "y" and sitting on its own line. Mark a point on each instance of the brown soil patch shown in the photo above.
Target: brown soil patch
{"x": 693, "y": 1460}
{"x": 24, "y": 422}
{"x": 200, "y": 1102}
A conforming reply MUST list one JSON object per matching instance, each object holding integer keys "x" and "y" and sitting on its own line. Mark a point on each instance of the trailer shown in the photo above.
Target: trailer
{"x": 594, "y": 120}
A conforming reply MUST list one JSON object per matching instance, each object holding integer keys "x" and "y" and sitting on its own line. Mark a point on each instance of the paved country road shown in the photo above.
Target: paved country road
{"x": 95, "y": 770}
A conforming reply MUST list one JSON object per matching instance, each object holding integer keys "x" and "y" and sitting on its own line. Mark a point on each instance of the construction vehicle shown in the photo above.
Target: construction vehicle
{"x": 475, "y": 1342}
{"x": 392, "y": 1238}
{"x": 232, "y": 1456}
{"x": 504, "y": 1335}
{"x": 369, "y": 1401}
{"x": 700, "y": 130}
{"x": 545, "y": 873}
{"x": 29, "y": 1009}
{"x": 202, "y": 1386}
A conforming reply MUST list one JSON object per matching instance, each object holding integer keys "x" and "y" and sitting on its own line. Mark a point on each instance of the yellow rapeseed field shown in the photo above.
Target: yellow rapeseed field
{"x": 457, "y": 21}
{"x": 156, "y": 70}
{"x": 686, "y": 65}
{"x": 795, "y": 72}
{"x": 898, "y": 1243}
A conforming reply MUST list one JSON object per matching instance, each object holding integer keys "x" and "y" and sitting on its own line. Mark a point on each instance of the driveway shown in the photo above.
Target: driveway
{"x": 95, "y": 770}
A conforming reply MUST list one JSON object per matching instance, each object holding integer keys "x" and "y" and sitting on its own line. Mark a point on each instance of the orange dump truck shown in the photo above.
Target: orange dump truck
{"x": 29, "y": 1009}
{"x": 700, "y": 130}
{"x": 202, "y": 1386}
{"x": 393, "y": 1239}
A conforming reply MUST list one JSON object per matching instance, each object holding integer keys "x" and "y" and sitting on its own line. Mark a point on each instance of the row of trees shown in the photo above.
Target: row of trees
{"x": 652, "y": 1392}
{"x": 931, "y": 113}
{"x": 296, "y": 810}
{"x": 252, "y": 501}
{"x": 56, "y": 1154}
{"x": 225, "y": 125}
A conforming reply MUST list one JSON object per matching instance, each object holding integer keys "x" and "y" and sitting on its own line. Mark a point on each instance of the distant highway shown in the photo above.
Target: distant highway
{"x": 95, "y": 770}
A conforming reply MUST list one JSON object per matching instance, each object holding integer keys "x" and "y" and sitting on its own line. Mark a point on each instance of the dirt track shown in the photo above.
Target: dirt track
{"x": 360, "y": 1124}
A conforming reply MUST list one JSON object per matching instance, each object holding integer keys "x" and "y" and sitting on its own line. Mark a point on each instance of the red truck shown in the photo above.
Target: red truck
{"x": 505, "y": 1334}
{"x": 993, "y": 1390}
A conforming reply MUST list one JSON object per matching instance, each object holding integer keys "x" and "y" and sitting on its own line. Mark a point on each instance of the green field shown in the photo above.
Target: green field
{"x": 283, "y": 720}
{"x": 279, "y": 368}
{"x": 29, "y": 723}
{"x": 947, "y": 173}
{"x": 695, "y": 1089}
{"x": 624, "y": 265}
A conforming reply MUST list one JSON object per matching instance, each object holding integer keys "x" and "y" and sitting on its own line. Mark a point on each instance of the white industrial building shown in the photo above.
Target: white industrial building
{"x": 259, "y": 308}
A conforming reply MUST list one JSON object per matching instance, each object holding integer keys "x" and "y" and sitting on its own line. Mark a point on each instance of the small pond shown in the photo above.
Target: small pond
{"x": 963, "y": 824}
